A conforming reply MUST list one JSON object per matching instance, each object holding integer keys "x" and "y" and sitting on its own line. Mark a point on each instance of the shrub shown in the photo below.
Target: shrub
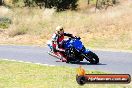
{"x": 60, "y": 5}
{"x": 5, "y": 22}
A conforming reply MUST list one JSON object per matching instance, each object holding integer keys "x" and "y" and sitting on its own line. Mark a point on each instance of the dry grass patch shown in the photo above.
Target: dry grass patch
{"x": 103, "y": 29}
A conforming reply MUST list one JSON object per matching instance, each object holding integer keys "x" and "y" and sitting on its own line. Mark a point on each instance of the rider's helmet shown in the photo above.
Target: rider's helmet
{"x": 59, "y": 30}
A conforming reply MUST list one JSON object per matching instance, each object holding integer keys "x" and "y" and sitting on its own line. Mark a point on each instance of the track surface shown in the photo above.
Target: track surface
{"x": 115, "y": 62}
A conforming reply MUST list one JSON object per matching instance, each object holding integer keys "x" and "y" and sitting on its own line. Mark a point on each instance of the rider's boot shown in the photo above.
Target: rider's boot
{"x": 62, "y": 58}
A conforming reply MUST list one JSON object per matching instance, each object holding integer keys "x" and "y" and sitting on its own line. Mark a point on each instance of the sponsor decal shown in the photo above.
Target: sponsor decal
{"x": 83, "y": 78}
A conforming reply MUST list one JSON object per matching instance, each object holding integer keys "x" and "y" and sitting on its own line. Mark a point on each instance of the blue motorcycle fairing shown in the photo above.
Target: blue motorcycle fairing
{"x": 76, "y": 43}
{"x": 67, "y": 44}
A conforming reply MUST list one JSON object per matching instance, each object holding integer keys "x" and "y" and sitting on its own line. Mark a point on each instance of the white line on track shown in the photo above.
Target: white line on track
{"x": 27, "y": 62}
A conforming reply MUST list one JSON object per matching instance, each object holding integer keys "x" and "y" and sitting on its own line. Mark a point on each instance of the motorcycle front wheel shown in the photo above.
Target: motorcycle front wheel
{"x": 93, "y": 58}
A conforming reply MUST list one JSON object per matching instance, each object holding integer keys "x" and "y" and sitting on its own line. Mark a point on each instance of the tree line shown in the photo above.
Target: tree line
{"x": 61, "y": 5}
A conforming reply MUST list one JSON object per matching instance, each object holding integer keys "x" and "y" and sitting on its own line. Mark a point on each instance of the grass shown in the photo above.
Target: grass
{"x": 102, "y": 29}
{"x": 26, "y": 75}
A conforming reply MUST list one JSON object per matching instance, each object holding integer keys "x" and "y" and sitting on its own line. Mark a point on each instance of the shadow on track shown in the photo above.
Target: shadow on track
{"x": 86, "y": 63}
{"x": 83, "y": 63}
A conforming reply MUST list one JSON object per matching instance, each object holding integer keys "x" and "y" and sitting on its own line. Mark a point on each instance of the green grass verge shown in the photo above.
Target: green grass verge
{"x": 27, "y": 75}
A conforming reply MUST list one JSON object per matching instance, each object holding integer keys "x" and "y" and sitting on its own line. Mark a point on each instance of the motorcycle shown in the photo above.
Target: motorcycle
{"x": 76, "y": 52}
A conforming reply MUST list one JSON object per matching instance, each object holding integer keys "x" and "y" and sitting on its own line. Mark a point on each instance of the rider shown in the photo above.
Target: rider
{"x": 58, "y": 39}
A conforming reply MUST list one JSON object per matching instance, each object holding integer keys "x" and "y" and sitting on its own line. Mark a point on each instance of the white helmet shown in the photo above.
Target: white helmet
{"x": 59, "y": 28}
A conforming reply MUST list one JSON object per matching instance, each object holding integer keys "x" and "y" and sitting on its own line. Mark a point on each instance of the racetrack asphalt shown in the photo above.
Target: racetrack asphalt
{"x": 113, "y": 62}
